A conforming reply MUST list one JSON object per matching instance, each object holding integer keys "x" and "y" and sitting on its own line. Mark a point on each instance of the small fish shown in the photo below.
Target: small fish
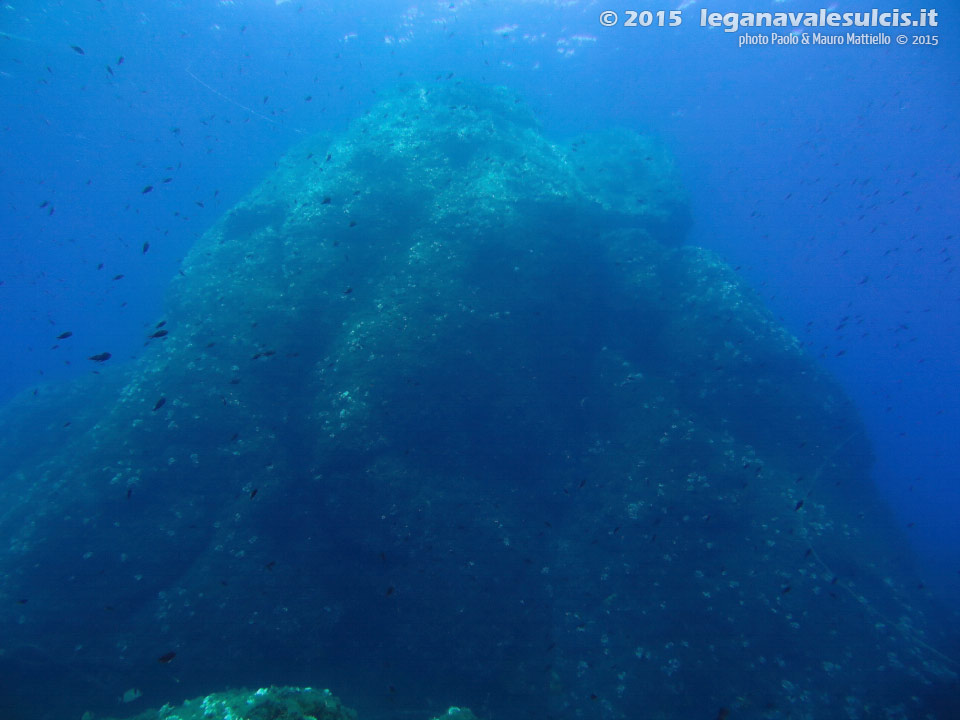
{"x": 160, "y": 333}
{"x": 167, "y": 657}
{"x": 110, "y": 70}
{"x": 64, "y": 335}
{"x": 146, "y": 246}
{"x": 253, "y": 493}
{"x": 130, "y": 695}
{"x": 390, "y": 591}
{"x": 118, "y": 277}
{"x": 160, "y": 403}
{"x": 147, "y": 189}
{"x": 798, "y": 505}
{"x": 77, "y": 49}
{"x": 101, "y": 357}
{"x": 120, "y": 60}
{"x": 348, "y": 291}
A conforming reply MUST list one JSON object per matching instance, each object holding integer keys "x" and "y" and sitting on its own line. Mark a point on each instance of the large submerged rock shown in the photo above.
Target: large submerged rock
{"x": 451, "y": 416}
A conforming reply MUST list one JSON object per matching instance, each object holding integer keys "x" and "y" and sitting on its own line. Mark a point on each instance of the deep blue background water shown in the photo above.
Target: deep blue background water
{"x": 829, "y": 176}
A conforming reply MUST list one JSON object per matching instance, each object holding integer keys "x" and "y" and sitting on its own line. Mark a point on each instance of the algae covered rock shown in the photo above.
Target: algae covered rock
{"x": 273, "y": 703}
{"x": 450, "y": 408}
{"x": 456, "y": 713}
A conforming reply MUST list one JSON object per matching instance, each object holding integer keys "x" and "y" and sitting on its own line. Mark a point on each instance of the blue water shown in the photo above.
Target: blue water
{"x": 826, "y": 177}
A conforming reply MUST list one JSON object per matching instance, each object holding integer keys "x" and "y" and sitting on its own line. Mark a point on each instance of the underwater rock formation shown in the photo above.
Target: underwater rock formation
{"x": 451, "y": 415}
{"x": 272, "y": 703}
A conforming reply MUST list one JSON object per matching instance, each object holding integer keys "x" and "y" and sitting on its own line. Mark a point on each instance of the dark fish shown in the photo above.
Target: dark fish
{"x": 147, "y": 189}
{"x": 120, "y": 60}
{"x": 146, "y": 246}
{"x": 269, "y": 565}
{"x": 129, "y": 493}
{"x": 160, "y": 333}
{"x": 326, "y": 200}
{"x": 253, "y": 493}
{"x": 786, "y": 590}
{"x": 109, "y": 69}
{"x": 167, "y": 657}
{"x": 348, "y": 291}
{"x": 798, "y": 505}
{"x": 64, "y": 335}
{"x": 390, "y": 591}
{"x": 102, "y": 357}
{"x": 161, "y": 324}
{"x": 160, "y": 403}
{"x": 118, "y": 277}
{"x": 77, "y": 49}
{"x": 44, "y": 203}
